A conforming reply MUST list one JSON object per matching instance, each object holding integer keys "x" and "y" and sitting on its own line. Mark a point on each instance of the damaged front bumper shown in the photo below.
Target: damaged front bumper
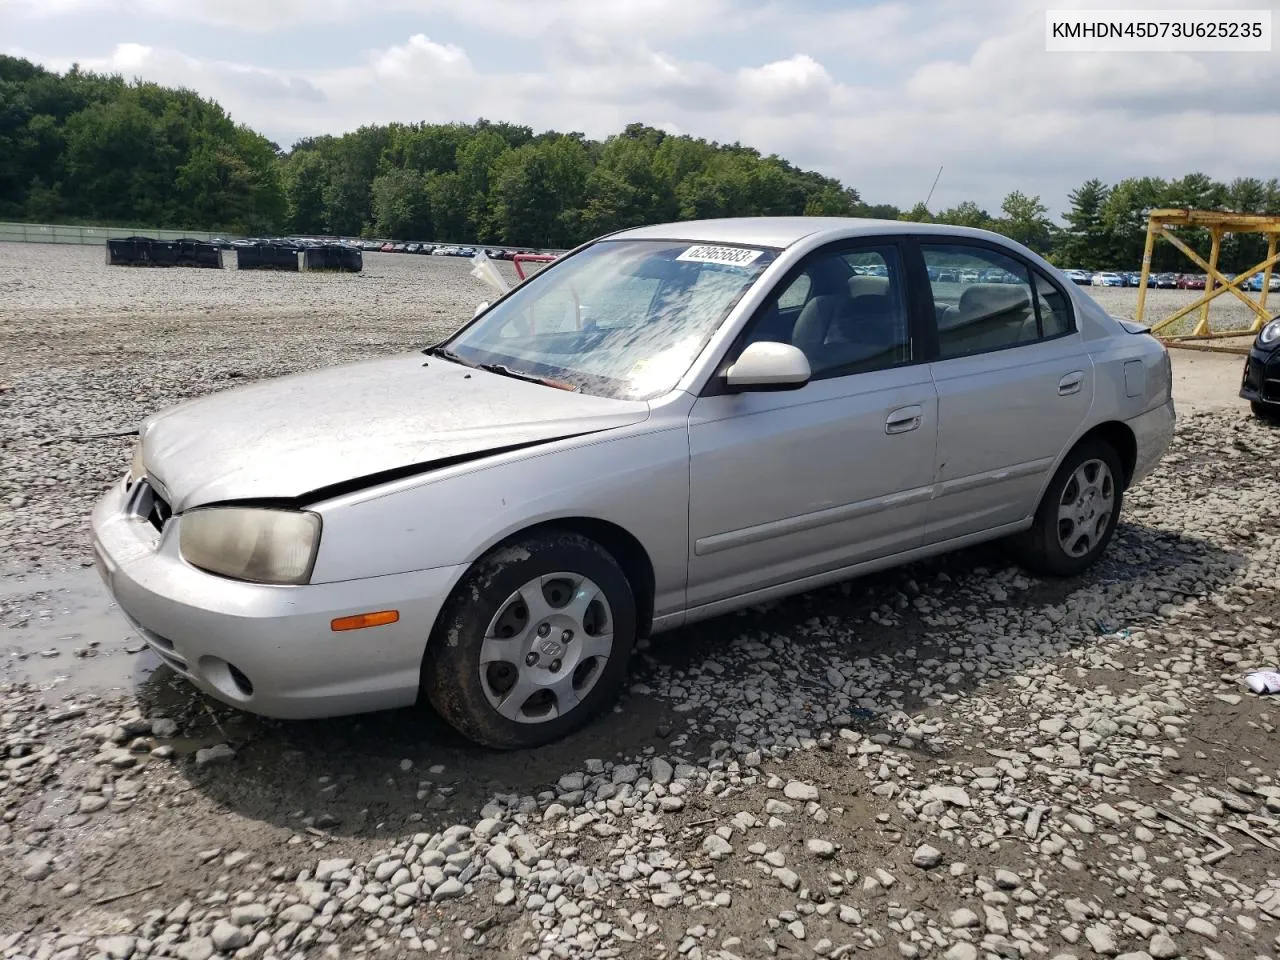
{"x": 266, "y": 649}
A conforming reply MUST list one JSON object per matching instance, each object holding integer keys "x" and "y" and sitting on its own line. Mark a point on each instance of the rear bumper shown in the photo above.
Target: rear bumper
{"x": 1153, "y": 432}
{"x": 267, "y": 649}
{"x": 1260, "y": 380}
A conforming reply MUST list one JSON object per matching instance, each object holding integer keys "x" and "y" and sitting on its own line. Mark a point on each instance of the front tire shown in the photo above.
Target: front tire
{"x": 1078, "y": 515}
{"x": 533, "y": 643}
{"x": 1266, "y": 412}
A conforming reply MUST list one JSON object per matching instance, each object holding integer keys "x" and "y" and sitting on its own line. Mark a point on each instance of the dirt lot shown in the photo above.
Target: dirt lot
{"x": 952, "y": 760}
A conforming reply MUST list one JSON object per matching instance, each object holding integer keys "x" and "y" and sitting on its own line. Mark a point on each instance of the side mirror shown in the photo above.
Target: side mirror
{"x": 766, "y": 365}
{"x": 481, "y": 307}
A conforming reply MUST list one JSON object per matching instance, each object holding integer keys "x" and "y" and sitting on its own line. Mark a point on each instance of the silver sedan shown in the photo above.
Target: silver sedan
{"x": 666, "y": 424}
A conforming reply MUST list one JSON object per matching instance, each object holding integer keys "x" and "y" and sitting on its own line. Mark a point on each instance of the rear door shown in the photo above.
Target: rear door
{"x": 1014, "y": 380}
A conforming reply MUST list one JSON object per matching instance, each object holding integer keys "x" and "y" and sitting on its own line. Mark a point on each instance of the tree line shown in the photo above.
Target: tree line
{"x": 81, "y": 147}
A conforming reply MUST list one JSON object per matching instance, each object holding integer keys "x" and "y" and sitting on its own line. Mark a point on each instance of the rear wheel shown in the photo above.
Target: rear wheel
{"x": 1078, "y": 515}
{"x": 533, "y": 643}
{"x": 1266, "y": 411}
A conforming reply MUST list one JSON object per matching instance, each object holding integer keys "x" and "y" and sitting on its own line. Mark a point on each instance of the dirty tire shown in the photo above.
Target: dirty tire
{"x": 1040, "y": 548}
{"x": 451, "y": 670}
{"x": 1266, "y": 412}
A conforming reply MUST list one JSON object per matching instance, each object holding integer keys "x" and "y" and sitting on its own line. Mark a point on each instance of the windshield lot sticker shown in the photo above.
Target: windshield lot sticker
{"x": 729, "y": 256}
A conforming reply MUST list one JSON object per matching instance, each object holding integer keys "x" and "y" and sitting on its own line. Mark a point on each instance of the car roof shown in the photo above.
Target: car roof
{"x": 785, "y": 231}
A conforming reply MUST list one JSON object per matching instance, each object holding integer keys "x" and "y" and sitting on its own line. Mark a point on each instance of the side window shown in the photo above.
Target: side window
{"x": 854, "y": 315}
{"x": 982, "y": 299}
{"x": 795, "y": 294}
{"x": 1055, "y": 309}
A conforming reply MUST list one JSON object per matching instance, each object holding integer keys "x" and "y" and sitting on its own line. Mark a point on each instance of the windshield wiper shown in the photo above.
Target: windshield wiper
{"x": 504, "y": 370}
{"x": 448, "y": 354}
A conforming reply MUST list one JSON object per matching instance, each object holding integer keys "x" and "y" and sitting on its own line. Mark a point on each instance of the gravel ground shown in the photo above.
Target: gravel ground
{"x": 951, "y": 760}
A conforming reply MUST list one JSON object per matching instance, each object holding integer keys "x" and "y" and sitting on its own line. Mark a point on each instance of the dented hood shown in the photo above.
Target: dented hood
{"x": 289, "y": 436}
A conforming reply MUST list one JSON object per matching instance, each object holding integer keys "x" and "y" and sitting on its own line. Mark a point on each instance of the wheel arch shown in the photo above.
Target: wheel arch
{"x": 1120, "y": 437}
{"x": 623, "y": 545}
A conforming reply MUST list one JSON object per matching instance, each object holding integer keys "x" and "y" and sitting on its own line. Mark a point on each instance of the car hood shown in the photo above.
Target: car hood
{"x": 289, "y": 436}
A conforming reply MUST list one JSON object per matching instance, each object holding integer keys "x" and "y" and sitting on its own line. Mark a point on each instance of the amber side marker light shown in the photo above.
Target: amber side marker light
{"x": 362, "y": 620}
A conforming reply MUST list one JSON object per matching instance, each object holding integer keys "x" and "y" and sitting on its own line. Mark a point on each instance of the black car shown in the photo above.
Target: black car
{"x": 1261, "y": 381}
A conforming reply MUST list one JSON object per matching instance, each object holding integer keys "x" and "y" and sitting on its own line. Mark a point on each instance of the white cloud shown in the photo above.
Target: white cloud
{"x": 876, "y": 95}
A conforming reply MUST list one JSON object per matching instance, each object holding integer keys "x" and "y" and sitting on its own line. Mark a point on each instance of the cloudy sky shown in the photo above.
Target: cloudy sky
{"x": 878, "y": 94}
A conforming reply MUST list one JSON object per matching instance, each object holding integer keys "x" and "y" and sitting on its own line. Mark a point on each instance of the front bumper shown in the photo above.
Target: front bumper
{"x": 267, "y": 649}
{"x": 1260, "y": 382}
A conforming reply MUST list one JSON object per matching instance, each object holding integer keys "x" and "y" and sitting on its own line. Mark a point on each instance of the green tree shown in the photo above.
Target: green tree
{"x": 967, "y": 214}
{"x": 1025, "y": 220}
{"x": 401, "y": 205}
{"x": 1085, "y": 241}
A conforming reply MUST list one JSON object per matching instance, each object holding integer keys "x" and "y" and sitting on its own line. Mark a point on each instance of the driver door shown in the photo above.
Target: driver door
{"x": 791, "y": 484}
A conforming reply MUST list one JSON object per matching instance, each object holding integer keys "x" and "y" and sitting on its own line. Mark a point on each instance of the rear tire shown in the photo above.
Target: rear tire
{"x": 533, "y": 642}
{"x": 1266, "y": 412}
{"x": 1078, "y": 515}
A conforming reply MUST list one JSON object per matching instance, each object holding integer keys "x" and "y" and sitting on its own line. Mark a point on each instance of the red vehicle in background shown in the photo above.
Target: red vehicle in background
{"x": 1187, "y": 281}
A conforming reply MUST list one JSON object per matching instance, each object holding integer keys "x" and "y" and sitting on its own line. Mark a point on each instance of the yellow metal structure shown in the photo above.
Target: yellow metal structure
{"x": 1216, "y": 284}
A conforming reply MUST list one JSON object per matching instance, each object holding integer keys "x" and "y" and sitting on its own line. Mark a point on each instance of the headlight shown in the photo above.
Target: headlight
{"x": 136, "y": 469}
{"x": 251, "y": 543}
{"x": 1271, "y": 332}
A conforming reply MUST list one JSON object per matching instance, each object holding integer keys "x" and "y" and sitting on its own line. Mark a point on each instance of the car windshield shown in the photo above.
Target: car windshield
{"x": 621, "y": 318}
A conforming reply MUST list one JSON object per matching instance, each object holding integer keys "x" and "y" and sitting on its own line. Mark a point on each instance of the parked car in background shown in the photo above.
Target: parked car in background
{"x": 1107, "y": 279}
{"x": 673, "y": 422}
{"x": 1188, "y": 281}
{"x": 1261, "y": 382}
{"x": 1255, "y": 282}
{"x": 1081, "y": 277}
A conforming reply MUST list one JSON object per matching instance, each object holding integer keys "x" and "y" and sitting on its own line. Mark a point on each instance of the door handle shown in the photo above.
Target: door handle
{"x": 903, "y": 419}
{"x": 1070, "y": 383}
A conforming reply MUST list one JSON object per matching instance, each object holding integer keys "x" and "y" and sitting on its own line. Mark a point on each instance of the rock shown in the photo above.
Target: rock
{"x": 208, "y": 755}
{"x": 787, "y": 878}
{"x": 1162, "y": 947}
{"x": 449, "y": 890}
{"x": 926, "y": 857}
{"x": 227, "y": 936}
{"x": 248, "y": 914}
{"x": 118, "y": 948}
{"x": 963, "y": 918}
{"x": 716, "y": 847}
{"x": 37, "y": 865}
{"x": 1007, "y": 880}
{"x": 823, "y": 849}
{"x": 198, "y": 948}
{"x": 501, "y": 860}
{"x": 1203, "y": 927}
{"x": 1206, "y": 806}
{"x": 961, "y": 951}
{"x": 91, "y": 803}
{"x": 1102, "y": 940}
{"x": 325, "y": 869}
{"x": 956, "y": 796}
{"x": 164, "y": 728}
{"x": 298, "y": 913}
{"x": 660, "y": 771}
{"x": 795, "y": 790}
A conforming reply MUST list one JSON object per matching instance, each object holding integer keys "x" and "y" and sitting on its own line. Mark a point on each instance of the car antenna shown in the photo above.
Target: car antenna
{"x": 935, "y": 183}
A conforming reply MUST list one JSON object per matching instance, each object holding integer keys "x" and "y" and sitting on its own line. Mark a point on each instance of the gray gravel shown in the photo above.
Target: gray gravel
{"x": 953, "y": 760}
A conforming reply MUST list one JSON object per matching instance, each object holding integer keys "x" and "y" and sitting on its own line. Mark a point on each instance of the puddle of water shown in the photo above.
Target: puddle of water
{"x": 62, "y": 632}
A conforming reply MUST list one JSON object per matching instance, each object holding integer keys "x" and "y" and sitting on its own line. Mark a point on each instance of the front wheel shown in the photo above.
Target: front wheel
{"x": 533, "y": 642}
{"x": 1267, "y": 412}
{"x": 1079, "y": 512}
